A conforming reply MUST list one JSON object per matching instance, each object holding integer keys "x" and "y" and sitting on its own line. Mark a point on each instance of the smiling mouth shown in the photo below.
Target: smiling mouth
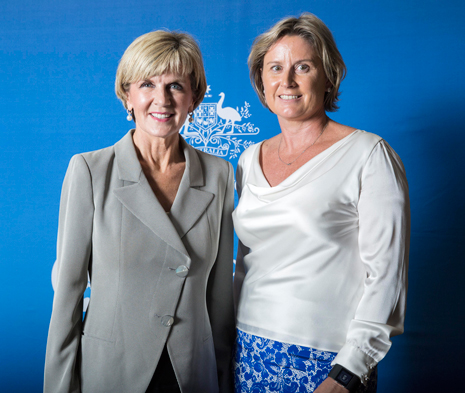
{"x": 161, "y": 116}
{"x": 286, "y": 97}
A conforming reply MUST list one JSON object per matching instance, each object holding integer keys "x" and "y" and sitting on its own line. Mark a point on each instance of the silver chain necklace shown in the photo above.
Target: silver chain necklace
{"x": 308, "y": 147}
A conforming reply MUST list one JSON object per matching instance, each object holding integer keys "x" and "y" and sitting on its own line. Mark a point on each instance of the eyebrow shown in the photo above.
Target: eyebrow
{"x": 297, "y": 62}
{"x": 149, "y": 79}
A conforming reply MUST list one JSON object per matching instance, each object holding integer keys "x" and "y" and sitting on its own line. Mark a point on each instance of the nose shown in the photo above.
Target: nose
{"x": 161, "y": 96}
{"x": 289, "y": 78}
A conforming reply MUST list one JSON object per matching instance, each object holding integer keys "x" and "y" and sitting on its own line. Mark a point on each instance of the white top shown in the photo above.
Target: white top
{"x": 323, "y": 255}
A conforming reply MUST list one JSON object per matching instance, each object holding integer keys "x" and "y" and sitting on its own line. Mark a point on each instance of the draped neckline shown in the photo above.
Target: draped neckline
{"x": 300, "y": 172}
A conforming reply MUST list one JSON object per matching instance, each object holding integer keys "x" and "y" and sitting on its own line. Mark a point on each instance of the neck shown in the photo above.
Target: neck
{"x": 298, "y": 134}
{"x": 158, "y": 153}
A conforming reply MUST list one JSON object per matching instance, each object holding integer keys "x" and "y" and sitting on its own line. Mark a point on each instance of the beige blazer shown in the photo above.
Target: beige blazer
{"x": 155, "y": 279}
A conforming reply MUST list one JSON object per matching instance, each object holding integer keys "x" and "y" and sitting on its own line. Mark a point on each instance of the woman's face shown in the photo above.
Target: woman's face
{"x": 161, "y": 104}
{"x": 294, "y": 80}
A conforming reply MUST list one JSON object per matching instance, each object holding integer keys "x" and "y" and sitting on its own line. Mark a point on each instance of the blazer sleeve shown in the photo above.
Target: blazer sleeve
{"x": 384, "y": 235}
{"x": 219, "y": 293}
{"x": 74, "y": 247}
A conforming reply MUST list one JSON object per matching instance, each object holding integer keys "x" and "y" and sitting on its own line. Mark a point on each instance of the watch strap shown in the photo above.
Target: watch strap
{"x": 345, "y": 378}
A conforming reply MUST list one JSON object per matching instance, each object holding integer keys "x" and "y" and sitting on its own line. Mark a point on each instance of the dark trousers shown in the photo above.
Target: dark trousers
{"x": 164, "y": 378}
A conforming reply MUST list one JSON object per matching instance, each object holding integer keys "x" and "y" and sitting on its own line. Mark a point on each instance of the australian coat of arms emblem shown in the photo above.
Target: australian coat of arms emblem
{"x": 220, "y": 130}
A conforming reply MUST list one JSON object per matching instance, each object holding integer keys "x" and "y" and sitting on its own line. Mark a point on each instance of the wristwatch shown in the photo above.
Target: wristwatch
{"x": 345, "y": 378}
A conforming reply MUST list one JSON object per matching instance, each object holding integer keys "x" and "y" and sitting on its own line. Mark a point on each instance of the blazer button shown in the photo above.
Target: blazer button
{"x": 167, "y": 320}
{"x": 182, "y": 271}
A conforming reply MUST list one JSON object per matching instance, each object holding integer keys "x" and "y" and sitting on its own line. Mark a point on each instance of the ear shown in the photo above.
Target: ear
{"x": 128, "y": 101}
{"x": 328, "y": 85}
{"x": 261, "y": 77}
{"x": 191, "y": 106}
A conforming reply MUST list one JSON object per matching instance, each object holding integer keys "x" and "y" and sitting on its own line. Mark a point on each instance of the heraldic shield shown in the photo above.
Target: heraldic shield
{"x": 218, "y": 130}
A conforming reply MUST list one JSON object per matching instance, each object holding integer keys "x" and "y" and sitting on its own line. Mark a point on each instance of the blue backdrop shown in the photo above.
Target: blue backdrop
{"x": 405, "y": 82}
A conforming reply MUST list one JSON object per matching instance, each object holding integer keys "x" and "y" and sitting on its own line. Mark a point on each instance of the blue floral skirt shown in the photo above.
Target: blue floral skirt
{"x": 262, "y": 365}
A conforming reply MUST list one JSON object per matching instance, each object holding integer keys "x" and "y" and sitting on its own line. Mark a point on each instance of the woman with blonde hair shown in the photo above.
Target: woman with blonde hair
{"x": 323, "y": 221}
{"x": 149, "y": 220}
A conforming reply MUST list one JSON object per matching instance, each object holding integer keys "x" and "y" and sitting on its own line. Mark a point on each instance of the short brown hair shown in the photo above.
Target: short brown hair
{"x": 317, "y": 34}
{"x": 157, "y": 53}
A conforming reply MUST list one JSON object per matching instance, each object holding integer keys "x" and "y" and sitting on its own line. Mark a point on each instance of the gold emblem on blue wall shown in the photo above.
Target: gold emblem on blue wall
{"x": 220, "y": 130}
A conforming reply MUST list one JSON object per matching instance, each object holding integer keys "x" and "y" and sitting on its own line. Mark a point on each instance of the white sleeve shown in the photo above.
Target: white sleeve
{"x": 384, "y": 235}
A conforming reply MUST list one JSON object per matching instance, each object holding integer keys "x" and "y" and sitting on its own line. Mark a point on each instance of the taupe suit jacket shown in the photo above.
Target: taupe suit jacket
{"x": 155, "y": 279}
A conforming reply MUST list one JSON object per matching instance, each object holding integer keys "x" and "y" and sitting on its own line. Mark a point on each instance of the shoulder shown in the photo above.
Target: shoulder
{"x": 95, "y": 165}
{"x": 91, "y": 158}
{"x": 209, "y": 171}
{"x": 379, "y": 155}
{"x": 374, "y": 144}
{"x": 360, "y": 144}
{"x": 90, "y": 164}
{"x": 366, "y": 140}
{"x": 96, "y": 157}
{"x": 101, "y": 158}
{"x": 248, "y": 154}
{"x": 210, "y": 162}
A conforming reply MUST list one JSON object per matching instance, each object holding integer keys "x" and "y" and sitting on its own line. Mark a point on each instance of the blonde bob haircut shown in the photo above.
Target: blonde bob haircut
{"x": 317, "y": 34}
{"x": 157, "y": 53}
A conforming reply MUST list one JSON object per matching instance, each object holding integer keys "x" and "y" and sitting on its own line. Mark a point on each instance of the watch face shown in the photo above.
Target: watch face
{"x": 344, "y": 377}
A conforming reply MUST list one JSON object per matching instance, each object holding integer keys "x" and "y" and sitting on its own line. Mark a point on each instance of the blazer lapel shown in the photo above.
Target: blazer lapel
{"x": 137, "y": 195}
{"x": 190, "y": 202}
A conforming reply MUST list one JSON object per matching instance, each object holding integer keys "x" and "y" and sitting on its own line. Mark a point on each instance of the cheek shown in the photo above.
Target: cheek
{"x": 269, "y": 85}
{"x": 140, "y": 102}
{"x": 187, "y": 104}
{"x": 321, "y": 82}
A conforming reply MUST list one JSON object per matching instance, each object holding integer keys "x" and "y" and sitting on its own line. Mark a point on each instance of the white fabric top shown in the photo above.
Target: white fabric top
{"x": 323, "y": 255}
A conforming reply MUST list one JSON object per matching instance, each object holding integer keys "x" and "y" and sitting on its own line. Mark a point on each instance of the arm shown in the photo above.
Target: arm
{"x": 384, "y": 231}
{"x": 219, "y": 293}
{"x": 329, "y": 385}
{"x": 73, "y": 256}
{"x": 239, "y": 273}
{"x": 242, "y": 251}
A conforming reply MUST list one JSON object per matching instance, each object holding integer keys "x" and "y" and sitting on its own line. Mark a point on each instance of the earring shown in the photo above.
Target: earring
{"x": 328, "y": 89}
{"x": 191, "y": 117}
{"x": 130, "y": 115}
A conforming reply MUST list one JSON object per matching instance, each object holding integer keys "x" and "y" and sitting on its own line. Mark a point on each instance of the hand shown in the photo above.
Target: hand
{"x": 329, "y": 385}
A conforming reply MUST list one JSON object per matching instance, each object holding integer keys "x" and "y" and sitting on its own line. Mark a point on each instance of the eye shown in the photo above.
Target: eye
{"x": 175, "y": 86}
{"x": 276, "y": 68}
{"x": 302, "y": 68}
{"x": 146, "y": 84}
